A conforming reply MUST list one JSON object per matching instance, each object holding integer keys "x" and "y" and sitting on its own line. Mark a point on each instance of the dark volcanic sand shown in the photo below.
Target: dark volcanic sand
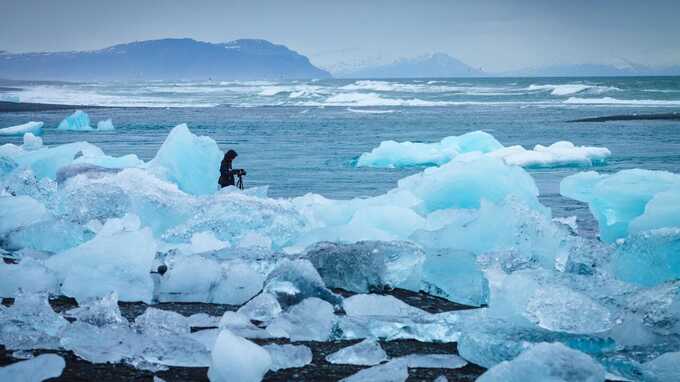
{"x": 633, "y": 117}
{"x": 319, "y": 370}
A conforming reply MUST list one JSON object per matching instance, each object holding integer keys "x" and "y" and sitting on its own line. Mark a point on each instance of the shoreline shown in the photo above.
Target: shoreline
{"x": 674, "y": 116}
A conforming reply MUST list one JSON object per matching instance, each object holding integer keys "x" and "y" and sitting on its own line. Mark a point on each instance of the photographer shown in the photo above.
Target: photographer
{"x": 227, "y": 173}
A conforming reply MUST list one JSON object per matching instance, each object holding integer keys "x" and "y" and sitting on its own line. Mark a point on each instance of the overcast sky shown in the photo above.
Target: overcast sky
{"x": 495, "y": 35}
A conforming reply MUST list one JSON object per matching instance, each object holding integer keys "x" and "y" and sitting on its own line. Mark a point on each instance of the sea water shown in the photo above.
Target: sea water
{"x": 304, "y": 136}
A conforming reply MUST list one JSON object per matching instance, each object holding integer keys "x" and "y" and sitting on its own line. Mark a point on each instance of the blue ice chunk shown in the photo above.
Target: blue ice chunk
{"x": 190, "y": 161}
{"x": 649, "y": 258}
{"x": 78, "y": 121}
{"x": 29, "y": 127}
{"x": 619, "y": 199}
{"x": 105, "y": 125}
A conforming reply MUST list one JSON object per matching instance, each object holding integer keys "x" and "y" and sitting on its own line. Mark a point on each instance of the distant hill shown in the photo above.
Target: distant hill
{"x": 429, "y": 66}
{"x": 166, "y": 59}
{"x": 594, "y": 70}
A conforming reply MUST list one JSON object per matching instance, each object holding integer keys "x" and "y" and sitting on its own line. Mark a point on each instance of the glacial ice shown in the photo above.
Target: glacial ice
{"x": 31, "y": 142}
{"x": 432, "y": 361}
{"x": 105, "y": 125}
{"x": 292, "y": 281}
{"x": 20, "y": 211}
{"x": 366, "y": 353}
{"x": 393, "y": 371}
{"x": 546, "y": 362}
{"x": 393, "y": 154}
{"x": 40, "y": 368}
{"x": 30, "y": 323}
{"x": 368, "y": 265}
{"x": 649, "y": 258}
{"x": 288, "y": 356}
{"x": 99, "y": 266}
{"x": 662, "y": 368}
{"x": 29, "y": 276}
{"x": 237, "y": 359}
{"x": 378, "y": 305}
{"x": 404, "y": 154}
{"x": 32, "y": 127}
{"x": 263, "y": 307}
{"x": 311, "y": 320}
{"x": 78, "y": 121}
{"x": 624, "y": 202}
{"x": 190, "y": 161}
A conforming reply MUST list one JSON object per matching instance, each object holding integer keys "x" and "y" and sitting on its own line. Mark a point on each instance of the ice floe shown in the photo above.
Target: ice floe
{"x": 393, "y": 154}
{"x": 32, "y": 127}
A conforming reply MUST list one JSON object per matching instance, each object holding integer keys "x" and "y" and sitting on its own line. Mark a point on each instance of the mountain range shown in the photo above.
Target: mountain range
{"x": 165, "y": 59}
{"x": 427, "y": 66}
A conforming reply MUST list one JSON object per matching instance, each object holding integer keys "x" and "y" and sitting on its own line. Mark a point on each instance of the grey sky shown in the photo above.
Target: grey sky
{"x": 495, "y": 35}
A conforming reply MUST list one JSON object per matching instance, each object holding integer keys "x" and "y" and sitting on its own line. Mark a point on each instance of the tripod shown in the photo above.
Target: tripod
{"x": 239, "y": 181}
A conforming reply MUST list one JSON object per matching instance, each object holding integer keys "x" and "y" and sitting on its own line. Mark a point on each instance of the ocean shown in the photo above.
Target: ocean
{"x": 299, "y": 137}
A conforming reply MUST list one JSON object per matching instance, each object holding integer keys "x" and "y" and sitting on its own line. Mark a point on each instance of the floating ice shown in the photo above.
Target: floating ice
{"x": 407, "y": 154}
{"x": 311, "y": 320}
{"x": 118, "y": 259}
{"x": 367, "y": 353}
{"x": 105, "y": 124}
{"x": 237, "y": 359}
{"x": 40, "y": 368}
{"x": 31, "y": 142}
{"x": 32, "y": 127}
{"x": 45, "y": 162}
{"x": 79, "y": 121}
{"x": 543, "y": 362}
{"x": 368, "y": 265}
{"x": 624, "y": 201}
{"x": 404, "y": 154}
{"x": 558, "y": 154}
{"x": 190, "y": 161}
{"x": 288, "y": 356}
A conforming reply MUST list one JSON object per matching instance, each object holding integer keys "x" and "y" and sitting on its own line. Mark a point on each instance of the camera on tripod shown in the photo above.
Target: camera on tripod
{"x": 240, "y": 173}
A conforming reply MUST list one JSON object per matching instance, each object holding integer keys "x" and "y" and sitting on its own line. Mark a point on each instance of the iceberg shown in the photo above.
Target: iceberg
{"x": 105, "y": 124}
{"x": 40, "y": 368}
{"x": 365, "y": 353}
{"x": 620, "y": 201}
{"x": 30, "y": 276}
{"x": 662, "y": 368}
{"x": 190, "y": 161}
{"x": 288, "y": 356}
{"x": 264, "y": 307}
{"x": 78, "y": 121}
{"x": 546, "y": 361}
{"x": 32, "y": 127}
{"x": 237, "y": 359}
{"x": 20, "y": 211}
{"x": 391, "y": 154}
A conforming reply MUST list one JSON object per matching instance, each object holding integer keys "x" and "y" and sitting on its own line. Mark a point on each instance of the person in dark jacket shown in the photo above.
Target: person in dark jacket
{"x": 226, "y": 171}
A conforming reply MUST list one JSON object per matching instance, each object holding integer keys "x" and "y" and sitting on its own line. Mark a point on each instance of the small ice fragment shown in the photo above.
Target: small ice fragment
{"x": 367, "y": 353}
{"x": 311, "y": 320}
{"x": 378, "y": 305}
{"x": 263, "y": 307}
{"x": 237, "y": 359}
{"x": 105, "y": 125}
{"x": 40, "y": 368}
{"x": 31, "y": 142}
{"x": 288, "y": 356}
{"x": 393, "y": 371}
{"x": 433, "y": 361}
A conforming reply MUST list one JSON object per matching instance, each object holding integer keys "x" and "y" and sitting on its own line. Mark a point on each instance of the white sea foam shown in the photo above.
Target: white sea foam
{"x": 569, "y": 89}
{"x": 615, "y": 101}
{"x": 370, "y": 111}
{"x": 373, "y": 99}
